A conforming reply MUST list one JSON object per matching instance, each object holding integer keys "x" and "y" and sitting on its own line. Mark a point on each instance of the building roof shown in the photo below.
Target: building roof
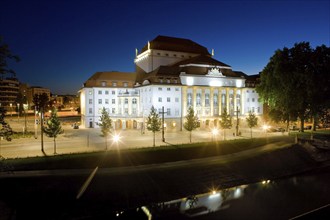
{"x": 201, "y": 59}
{"x": 110, "y": 76}
{"x": 176, "y": 44}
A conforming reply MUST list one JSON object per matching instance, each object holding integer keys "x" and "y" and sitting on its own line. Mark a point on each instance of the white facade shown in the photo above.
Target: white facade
{"x": 209, "y": 86}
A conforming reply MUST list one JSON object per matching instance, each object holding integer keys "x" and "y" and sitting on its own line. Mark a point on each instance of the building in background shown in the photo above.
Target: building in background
{"x": 9, "y": 89}
{"x": 171, "y": 74}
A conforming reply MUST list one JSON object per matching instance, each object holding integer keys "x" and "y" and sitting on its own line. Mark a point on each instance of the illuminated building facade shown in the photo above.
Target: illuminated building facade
{"x": 171, "y": 74}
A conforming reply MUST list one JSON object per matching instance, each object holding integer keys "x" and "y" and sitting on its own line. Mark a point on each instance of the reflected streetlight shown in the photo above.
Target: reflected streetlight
{"x": 18, "y": 112}
{"x": 11, "y": 109}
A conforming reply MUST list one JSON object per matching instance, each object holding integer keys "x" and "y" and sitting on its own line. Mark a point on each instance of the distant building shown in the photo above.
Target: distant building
{"x": 9, "y": 88}
{"x": 171, "y": 73}
{"x": 36, "y": 90}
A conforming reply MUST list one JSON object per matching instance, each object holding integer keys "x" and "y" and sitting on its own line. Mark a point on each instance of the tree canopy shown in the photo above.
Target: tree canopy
{"x": 105, "y": 125}
{"x": 295, "y": 82}
{"x": 53, "y": 127}
{"x": 225, "y": 121}
{"x": 153, "y": 122}
{"x": 252, "y": 121}
{"x": 5, "y": 56}
{"x": 191, "y": 122}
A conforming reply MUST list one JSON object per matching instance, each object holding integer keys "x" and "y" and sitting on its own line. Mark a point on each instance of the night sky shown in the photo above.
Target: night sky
{"x": 62, "y": 43}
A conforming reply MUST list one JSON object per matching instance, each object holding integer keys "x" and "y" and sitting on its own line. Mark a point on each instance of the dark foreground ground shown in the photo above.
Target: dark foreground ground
{"x": 52, "y": 194}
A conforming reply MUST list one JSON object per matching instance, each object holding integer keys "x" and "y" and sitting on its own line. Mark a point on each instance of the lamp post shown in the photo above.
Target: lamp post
{"x": 35, "y": 123}
{"x": 18, "y": 112}
{"x": 11, "y": 109}
{"x": 163, "y": 127}
{"x": 25, "y": 107}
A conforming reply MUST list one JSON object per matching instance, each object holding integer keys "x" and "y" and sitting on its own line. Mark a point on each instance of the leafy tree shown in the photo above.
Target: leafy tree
{"x": 5, "y": 130}
{"x": 153, "y": 122}
{"x": 191, "y": 121}
{"x": 21, "y": 100}
{"x": 53, "y": 128}
{"x": 106, "y": 125}
{"x": 40, "y": 102}
{"x": 296, "y": 83}
{"x": 225, "y": 122}
{"x": 6, "y": 55}
{"x": 252, "y": 121}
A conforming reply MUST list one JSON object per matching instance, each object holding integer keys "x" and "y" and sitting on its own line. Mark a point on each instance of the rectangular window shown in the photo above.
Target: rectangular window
{"x": 258, "y": 109}
{"x": 100, "y": 92}
{"x": 90, "y": 101}
{"x": 248, "y": 100}
{"x": 100, "y": 101}
{"x": 103, "y": 83}
{"x": 168, "y": 89}
{"x": 168, "y": 99}
{"x": 252, "y": 109}
{"x": 176, "y": 99}
{"x": 125, "y": 84}
{"x": 159, "y": 99}
{"x": 113, "y": 101}
{"x": 177, "y": 112}
{"x": 113, "y": 92}
{"x": 90, "y": 111}
{"x": 160, "y": 88}
{"x": 114, "y": 84}
{"x": 252, "y": 99}
{"x": 106, "y": 101}
{"x": 126, "y": 110}
{"x": 134, "y": 111}
{"x": 113, "y": 111}
{"x": 168, "y": 111}
{"x": 106, "y": 92}
{"x": 177, "y": 89}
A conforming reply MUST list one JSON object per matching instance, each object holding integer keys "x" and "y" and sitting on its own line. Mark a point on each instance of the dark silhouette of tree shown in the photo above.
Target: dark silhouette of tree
{"x": 40, "y": 102}
{"x": 191, "y": 122}
{"x": 153, "y": 122}
{"x": 296, "y": 82}
{"x": 252, "y": 121}
{"x": 5, "y": 56}
{"x": 106, "y": 125}
{"x": 225, "y": 122}
{"x": 5, "y": 130}
{"x": 53, "y": 128}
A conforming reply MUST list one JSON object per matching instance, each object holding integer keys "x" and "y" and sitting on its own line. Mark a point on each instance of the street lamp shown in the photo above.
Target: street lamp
{"x": 18, "y": 112}
{"x": 11, "y": 109}
{"x": 214, "y": 133}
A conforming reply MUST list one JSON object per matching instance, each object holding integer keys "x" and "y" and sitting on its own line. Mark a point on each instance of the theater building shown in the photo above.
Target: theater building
{"x": 171, "y": 74}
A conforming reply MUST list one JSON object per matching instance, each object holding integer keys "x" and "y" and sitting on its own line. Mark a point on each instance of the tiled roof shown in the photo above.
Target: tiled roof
{"x": 201, "y": 59}
{"x": 176, "y": 44}
{"x": 95, "y": 79}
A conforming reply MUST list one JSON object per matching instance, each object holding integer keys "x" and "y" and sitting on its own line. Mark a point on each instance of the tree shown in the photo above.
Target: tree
{"x": 191, "y": 121}
{"x": 5, "y": 130}
{"x": 106, "y": 125}
{"x": 40, "y": 102}
{"x": 252, "y": 121}
{"x": 153, "y": 122}
{"x": 6, "y": 55}
{"x": 296, "y": 82}
{"x": 53, "y": 128}
{"x": 225, "y": 122}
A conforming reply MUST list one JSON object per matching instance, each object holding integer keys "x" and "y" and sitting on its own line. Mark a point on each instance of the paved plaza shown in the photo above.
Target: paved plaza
{"x": 90, "y": 139}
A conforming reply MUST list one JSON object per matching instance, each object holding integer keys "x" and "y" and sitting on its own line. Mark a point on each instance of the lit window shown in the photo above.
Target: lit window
{"x": 125, "y": 84}
{"x": 103, "y": 83}
{"x": 114, "y": 83}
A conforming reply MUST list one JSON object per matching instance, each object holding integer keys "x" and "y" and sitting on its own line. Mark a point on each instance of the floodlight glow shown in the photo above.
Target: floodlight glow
{"x": 215, "y": 131}
{"x": 116, "y": 138}
{"x": 215, "y": 83}
{"x": 190, "y": 81}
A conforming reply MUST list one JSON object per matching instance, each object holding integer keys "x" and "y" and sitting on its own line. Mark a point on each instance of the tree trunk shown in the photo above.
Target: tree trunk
{"x": 106, "y": 142}
{"x": 54, "y": 146}
{"x": 302, "y": 119}
{"x": 190, "y": 136}
{"x": 154, "y": 139}
{"x": 224, "y": 134}
{"x": 251, "y": 131}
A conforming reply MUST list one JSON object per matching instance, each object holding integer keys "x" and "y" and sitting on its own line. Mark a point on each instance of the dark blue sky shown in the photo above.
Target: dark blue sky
{"x": 62, "y": 43}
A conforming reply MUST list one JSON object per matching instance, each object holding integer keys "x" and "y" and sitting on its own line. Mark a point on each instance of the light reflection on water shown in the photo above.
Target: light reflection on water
{"x": 267, "y": 199}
